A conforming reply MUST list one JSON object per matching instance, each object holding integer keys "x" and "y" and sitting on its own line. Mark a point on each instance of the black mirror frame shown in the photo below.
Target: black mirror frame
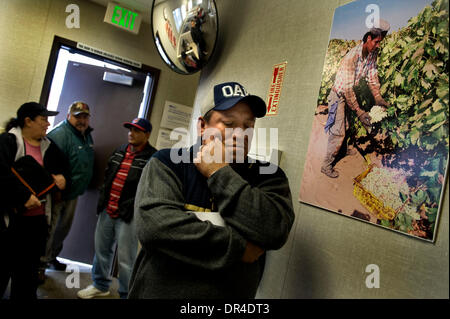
{"x": 172, "y": 65}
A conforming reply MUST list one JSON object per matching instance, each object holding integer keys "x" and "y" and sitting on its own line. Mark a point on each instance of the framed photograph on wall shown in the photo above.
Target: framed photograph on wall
{"x": 379, "y": 144}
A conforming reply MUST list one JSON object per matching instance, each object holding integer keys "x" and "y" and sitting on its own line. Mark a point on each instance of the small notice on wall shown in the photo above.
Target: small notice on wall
{"x": 179, "y": 137}
{"x": 273, "y": 98}
{"x": 175, "y": 123}
{"x": 176, "y": 115}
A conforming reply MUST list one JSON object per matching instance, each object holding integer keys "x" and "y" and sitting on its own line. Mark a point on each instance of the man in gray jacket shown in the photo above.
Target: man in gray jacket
{"x": 184, "y": 254}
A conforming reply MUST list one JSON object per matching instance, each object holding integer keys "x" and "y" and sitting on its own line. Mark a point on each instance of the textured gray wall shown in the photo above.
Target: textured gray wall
{"x": 326, "y": 254}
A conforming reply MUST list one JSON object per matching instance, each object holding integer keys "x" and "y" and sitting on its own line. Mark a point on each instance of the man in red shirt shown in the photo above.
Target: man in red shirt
{"x": 115, "y": 208}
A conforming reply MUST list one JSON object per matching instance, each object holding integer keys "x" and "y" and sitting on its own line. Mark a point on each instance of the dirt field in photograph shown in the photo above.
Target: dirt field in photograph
{"x": 334, "y": 194}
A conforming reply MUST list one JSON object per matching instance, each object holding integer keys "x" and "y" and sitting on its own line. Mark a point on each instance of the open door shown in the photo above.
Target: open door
{"x": 111, "y": 105}
{"x": 114, "y": 95}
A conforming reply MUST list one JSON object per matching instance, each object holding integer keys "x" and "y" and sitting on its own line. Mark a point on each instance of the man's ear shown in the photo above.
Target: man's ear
{"x": 201, "y": 126}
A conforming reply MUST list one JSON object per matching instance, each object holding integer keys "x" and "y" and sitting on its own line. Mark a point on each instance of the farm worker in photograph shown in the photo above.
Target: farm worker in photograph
{"x": 360, "y": 62}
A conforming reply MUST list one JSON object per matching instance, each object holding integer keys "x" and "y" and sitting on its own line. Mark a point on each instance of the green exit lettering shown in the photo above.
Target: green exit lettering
{"x": 125, "y": 17}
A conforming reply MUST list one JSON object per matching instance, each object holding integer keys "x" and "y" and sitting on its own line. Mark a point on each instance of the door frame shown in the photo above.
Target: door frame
{"x": 59, "y": 42}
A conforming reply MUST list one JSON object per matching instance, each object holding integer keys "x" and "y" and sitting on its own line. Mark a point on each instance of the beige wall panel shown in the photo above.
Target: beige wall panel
{"x": 20, "y": 21}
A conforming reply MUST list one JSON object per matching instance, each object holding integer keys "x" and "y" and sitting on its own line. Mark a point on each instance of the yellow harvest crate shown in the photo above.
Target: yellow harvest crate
{"x": 370, "y": 201}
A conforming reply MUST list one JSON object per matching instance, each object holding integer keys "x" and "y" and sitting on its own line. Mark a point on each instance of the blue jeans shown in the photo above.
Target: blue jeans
{"x": 108, "y": 232}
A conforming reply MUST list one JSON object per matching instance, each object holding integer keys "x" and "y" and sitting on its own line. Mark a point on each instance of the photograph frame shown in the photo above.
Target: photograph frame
{"x": 401, "y": 150}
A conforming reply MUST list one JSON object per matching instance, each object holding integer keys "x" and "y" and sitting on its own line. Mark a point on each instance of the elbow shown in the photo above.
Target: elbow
{"x": 282, "y": 231}
{"x": 270, "y": 238}
{"x": 281, "y": 237}
{"x": 285, "y": 221}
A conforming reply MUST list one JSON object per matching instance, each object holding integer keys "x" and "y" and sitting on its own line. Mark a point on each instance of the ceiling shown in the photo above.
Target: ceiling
{"x": 143, "y": 6}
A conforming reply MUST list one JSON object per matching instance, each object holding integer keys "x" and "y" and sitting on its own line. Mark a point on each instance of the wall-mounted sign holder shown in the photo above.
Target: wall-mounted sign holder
{"x": 123, "y": 18}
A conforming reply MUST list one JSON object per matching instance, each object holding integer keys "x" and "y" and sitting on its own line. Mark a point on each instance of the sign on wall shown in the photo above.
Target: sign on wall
{"x": 276, "y": 82}
{"x": 176, "y": 115}
{"x": 109, "y": 55}
{"x": 175, "y": 123}
{"x": 379, "y": 144}
{"x": 168, "y": 138}
{"x": 123, "y": 18}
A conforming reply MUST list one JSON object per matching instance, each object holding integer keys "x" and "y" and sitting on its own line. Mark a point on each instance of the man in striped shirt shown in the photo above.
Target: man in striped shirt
{"x": 360, "y": 62}
{"x": 115, "y": 208}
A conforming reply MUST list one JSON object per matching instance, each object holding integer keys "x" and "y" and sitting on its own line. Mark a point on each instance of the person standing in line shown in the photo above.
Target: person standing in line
{"x": 73, "y": 137}
{"x": 360, "y": 62}
{"x": 187, "y": 255}
{"x": 116, "y": 209}
{"x": 197, "y": 36}
{"x": 28, "y": 163}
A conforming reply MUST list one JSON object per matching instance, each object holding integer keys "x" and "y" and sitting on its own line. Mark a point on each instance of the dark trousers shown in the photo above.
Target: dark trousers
{"x": 26, "y": 243}
{"x": 5, "y": 260}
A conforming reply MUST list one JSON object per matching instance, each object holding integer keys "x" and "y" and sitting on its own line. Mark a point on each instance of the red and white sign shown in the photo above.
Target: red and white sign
{"x": 170, "y": 34}
{"x": 273, "y": 98}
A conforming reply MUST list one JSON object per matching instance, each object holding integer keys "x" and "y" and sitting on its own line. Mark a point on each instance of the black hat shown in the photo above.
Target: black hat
{"x": 33, "y": 109}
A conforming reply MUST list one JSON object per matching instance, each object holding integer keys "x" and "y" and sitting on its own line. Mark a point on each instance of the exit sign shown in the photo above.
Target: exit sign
{"x": 123, "y": 18}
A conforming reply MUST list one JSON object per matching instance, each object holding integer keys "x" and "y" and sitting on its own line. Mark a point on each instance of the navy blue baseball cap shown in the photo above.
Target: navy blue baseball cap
{"x": 226, "y": 95}
{"x": 139, "y": 123}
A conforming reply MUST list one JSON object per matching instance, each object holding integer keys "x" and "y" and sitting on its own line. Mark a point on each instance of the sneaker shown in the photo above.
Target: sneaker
{"x": 330, "y": 172}
{"x": 56, "y": 265}
{"x": 91, "y": 292}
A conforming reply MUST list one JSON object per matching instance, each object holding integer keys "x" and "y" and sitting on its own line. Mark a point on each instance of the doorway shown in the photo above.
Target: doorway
{"x": 116, "y": 93}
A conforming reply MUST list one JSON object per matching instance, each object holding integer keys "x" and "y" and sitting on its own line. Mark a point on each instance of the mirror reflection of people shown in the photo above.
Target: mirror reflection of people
{"x": 189, "y": 62}
{"x": 115, "y": 211}
{"x": 359, "y": 62}
{"x": 24, "y": 216}
{"x": 184, "y": 257}
{"x": 197, "y": 37}
{"x": 73, "y": 137}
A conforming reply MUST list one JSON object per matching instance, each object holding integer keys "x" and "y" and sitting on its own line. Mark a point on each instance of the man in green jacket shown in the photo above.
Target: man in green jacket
{"x": 73, "y": 137}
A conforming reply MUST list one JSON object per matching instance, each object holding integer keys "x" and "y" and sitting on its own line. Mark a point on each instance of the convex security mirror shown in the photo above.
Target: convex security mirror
{"x": 185, "y": 32}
